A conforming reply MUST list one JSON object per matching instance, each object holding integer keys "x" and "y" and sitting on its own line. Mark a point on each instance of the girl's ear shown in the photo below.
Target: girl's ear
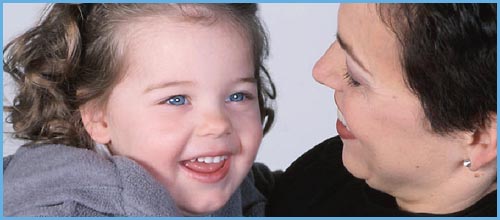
{"x": 483, "y": 147}
{"x": 95, "y": 122}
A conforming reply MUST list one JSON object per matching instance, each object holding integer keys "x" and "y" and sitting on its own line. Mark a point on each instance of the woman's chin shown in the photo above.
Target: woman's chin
{"x": 353, "y": 164}
{"x": 361, "y": 170}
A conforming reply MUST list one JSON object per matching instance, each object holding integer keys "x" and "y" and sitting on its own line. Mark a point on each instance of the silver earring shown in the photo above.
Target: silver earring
{"x": 467, "y": 163}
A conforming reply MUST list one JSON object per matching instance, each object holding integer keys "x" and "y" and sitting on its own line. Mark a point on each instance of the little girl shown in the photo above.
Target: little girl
{"x": 138, "y": 110}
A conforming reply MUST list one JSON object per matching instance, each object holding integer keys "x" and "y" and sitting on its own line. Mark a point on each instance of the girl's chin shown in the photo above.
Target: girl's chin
{"x": 203, "y": 208}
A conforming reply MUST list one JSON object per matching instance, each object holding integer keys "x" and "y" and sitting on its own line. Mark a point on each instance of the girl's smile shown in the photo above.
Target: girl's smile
{"x": 208, "y": 169}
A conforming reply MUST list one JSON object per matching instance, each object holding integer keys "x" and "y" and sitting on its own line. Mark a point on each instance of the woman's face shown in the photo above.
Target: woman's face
{"x": 388, "y": 141}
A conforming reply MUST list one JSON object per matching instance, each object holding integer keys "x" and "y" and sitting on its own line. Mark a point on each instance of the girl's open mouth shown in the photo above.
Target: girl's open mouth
{"x": 208, "y": 169}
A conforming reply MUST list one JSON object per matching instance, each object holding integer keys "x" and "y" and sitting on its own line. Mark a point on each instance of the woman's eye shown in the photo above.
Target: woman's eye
{"x": 177, "y": 100}
{"x": 352, "y": 82}
{"x": 236, "y": 97}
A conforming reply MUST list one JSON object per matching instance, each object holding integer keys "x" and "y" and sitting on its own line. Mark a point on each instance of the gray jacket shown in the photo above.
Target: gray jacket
{"x": 57, "y": 180}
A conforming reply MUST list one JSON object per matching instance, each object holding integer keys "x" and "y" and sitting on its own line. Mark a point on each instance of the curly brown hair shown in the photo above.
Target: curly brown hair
{"x": 73, "y": 56}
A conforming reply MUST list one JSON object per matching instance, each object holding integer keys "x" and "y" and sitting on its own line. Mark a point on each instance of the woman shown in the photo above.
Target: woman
{"x": 415, "y": 85}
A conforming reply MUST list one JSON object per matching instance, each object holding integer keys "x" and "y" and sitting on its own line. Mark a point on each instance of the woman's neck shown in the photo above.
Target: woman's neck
{"x": 464, "y": 193}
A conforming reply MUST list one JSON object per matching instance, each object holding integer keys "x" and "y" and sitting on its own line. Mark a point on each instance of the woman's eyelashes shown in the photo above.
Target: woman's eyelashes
{"x": 351, "y": 81}
{"x": 235, "y": 97}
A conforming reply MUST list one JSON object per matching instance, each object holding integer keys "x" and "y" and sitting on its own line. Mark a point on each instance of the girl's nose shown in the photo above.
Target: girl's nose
{"x": 331, "y": 67}
{"x": 214, "y": 123}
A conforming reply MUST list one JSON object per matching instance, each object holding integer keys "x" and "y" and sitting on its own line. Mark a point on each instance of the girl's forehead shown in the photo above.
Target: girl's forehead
{"x": 184, "y": 45}
{"x": 162, "y": 32}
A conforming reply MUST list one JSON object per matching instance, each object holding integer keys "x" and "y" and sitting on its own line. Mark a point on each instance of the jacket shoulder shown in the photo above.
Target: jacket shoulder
{"x": 310, "y": 180}
{"x": 328, "y": 154}
{"x": 57, "y": 180}
{"x": 63, "y": 209}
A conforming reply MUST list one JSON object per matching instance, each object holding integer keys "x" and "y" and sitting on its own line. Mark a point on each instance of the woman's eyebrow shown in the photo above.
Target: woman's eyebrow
{"x": 348, "y": 49}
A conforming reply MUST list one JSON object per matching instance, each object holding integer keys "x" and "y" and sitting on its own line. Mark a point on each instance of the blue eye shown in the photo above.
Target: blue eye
{"x": 177, "y": 100}
{"x": 236, "y": 97}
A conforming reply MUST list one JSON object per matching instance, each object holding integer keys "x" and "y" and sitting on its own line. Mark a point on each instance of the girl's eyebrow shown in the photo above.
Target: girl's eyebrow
{"x": 248, "y": 80}
{"x": 161, "y": 85}
{"x": 348, "y": 49}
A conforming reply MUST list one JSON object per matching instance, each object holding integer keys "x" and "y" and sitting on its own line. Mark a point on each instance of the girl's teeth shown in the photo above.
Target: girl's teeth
{"x": 216, "y": 159}
{"x": 209, "y": 159}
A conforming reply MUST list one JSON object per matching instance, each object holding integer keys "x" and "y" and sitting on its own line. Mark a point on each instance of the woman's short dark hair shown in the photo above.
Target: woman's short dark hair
{"x": 448, "y": 53}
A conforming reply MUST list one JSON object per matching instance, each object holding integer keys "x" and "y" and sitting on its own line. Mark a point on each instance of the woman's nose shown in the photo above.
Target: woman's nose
{"x": 330, "y": 68}
{"x": 214, "y": 122}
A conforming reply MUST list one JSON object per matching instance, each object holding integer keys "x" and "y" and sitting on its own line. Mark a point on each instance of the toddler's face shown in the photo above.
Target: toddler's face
{"x": 187, "y": 109}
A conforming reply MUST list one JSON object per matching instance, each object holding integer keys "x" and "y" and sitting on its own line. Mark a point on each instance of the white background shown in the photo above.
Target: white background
{"x": 299, "y": 35}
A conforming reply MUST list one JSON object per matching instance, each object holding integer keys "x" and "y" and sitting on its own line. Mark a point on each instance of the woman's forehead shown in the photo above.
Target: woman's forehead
{"x": 370, "y": 40}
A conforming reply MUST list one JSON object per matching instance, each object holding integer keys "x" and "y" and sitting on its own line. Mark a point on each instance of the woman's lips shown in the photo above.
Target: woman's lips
{"x": 207, "y": 172}
{"x": 342, "y": 128}
{"x": 343, "y": 132}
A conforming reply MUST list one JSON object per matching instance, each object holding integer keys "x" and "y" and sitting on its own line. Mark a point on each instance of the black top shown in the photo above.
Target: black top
{"x": 318, "y": 184}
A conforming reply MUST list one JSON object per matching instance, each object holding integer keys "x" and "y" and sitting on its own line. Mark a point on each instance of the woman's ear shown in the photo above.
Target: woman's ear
{"x": 483, "y": 147}
{"x": 95, "y": 122}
